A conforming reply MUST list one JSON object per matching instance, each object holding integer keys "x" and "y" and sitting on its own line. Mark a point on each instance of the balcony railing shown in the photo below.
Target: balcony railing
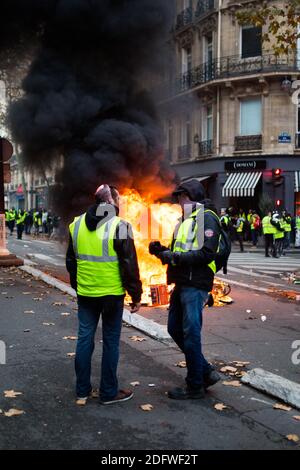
{"x": 206, "y": 148}
{"x": 203, "y": 7}
{"x": 229, "y": 67}
{"x": 248, "y": 142}
{"x": 184, "y": 153}
{"x": 297, "y": 140}
{"x": 184, "y": 18}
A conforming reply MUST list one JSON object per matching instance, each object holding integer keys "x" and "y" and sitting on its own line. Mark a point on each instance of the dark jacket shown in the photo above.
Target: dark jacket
{"x": 192, "y": 269}
{"x": 125, "y": 250}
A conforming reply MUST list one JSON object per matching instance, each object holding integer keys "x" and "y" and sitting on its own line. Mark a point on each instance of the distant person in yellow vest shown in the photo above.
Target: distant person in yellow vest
{"x": 297, "y": 228}
{"x": 102, "y": 263}
{"x": 277, "y": 222}
{"x": 287, "y": 225}
{"x": 255, "y": 228}
{"x": 21, "y": 223}
{"x": 269, "y": 231}
{"x": 239, "y": 226}
{"x": 12, "y": 220}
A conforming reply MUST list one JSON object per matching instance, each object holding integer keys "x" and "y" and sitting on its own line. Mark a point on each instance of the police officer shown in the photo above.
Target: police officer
{"x": 102, "y": 263}
{"x": 269, "y": 231}
{"x": 287, "y": 225}
{"x": 191, "y": 267}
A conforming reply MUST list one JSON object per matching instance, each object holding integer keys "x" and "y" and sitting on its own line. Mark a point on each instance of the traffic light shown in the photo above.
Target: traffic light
{"x": 277, "y": 176}
{"x": 279, "y": 203}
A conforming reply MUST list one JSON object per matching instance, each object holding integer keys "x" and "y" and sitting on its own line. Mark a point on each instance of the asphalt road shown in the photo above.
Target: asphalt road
{"x": 38, "y": 366}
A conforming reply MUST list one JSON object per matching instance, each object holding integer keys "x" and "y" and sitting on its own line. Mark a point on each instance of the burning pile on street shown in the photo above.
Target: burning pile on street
{"x": 156, "y": 221}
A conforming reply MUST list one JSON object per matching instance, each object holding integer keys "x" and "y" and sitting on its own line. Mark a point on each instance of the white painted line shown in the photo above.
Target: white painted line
{"x": 247, "y": 286}
{"x": 137, "y": 321}
{"x": 274, "y": 385}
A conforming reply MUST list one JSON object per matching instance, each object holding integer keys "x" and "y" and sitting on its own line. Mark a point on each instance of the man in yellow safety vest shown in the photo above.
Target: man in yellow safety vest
{"x": 269, "y": 231}
{"x": 102, "y": 263}
{"x": 191, "y": 267}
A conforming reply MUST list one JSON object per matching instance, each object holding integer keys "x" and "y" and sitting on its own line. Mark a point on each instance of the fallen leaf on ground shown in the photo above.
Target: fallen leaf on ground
{"x": 151, "y": 385}
{"x": 147, "y": 407}
{"x": 65, "y": 314}
{"x": 279, "y": 406}
{"x": 228, "y": 369}
{"x": 48, "y": 324}
{"x": 26, "y": 331}
{"x": 297, "y": 418}
{"x": 241, "y": 363}
{"x": 11, "y": 394}
{"x": 71, "y": 354}
{"x": 240, "y": 373}
{"x": 220, "y": 407}
{"x": 95, "y": 393}
{"x": 37, "y": 299}
{"x": 135, "y": 384}
{"x": 232, "y": 383}
{"x": 72, "y": 338}
{"x": 81, "y": 402}
{"x": 28, "y": 311}
{"x": 181, "y": 364}
{"x": 137, "y": 338}
{"x": 14, "y": 412}
{"x": 59, "y": 304}
{"x": 26, "y": 293}
{"x": 293, "y": 437}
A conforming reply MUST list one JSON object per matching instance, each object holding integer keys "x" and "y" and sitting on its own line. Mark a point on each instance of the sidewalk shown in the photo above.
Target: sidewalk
{"x": 38, "y": 366}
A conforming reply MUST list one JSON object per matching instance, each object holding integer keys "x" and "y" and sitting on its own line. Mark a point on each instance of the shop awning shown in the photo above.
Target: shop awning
{"x": 297, "y": 181}
{"x": 241, "y": 184}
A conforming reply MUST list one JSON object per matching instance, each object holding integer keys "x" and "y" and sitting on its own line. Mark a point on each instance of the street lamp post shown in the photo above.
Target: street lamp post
{"x": 6, "y": 258}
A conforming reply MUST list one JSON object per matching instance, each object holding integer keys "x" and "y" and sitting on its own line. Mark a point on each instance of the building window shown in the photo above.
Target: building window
{"x": 251, "y": 41}
{"x": 169, "y": 139}
{"x": 251, "y": 117}
{"x": 184, "y": 151}
{"x": 186, "y": 67}
{"x": 207, "y": 123}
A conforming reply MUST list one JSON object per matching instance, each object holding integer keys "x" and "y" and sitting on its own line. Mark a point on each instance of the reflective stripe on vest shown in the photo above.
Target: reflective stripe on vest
{"x": 186, "y": 237}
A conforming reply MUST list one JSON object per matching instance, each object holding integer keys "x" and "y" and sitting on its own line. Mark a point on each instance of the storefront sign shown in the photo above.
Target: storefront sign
{"x": 284, "y": 138}
{"x": 246, "y": 165}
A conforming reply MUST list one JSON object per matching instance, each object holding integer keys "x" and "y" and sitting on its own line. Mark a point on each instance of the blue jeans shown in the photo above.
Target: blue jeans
{"x": 89, "y": 310}
{"x": 184, "y": 326}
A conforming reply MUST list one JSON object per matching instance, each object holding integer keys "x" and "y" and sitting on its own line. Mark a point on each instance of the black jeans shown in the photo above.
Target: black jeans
{"x": 89, "y": 311}
{"x": 240, "y": 238}
{"x": 20, "y": 229}
{"x": 269, "y": 243}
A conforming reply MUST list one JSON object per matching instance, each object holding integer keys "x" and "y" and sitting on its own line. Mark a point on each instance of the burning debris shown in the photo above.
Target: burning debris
{"x": 157, "y": 221}
{"x": 84, "y": 112}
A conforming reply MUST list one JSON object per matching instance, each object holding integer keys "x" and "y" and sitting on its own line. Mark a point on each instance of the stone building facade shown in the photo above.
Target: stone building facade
{"x": 230, "y": 109}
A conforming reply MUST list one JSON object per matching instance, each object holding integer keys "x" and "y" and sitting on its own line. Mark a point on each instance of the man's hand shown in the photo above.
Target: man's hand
{"x": 135, "y": 307}
{"x": 167, "y": 257}
{"x": 155, "y": 248}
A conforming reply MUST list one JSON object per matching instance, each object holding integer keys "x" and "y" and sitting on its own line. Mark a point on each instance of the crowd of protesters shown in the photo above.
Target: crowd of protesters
{"x": 34, "y": 222}
{"x": 279, "y": 229}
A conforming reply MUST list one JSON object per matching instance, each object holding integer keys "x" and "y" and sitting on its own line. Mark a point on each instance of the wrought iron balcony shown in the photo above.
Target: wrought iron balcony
{"x": 184, "y": 153}
{"x": 184, "y": 19}
{"x": 204, "y": 7}
{"x": 229, "y": 67}
{"x": 206, "y": 148}
{"x": 248, "y": 142}
{"x": 297, "y": 140}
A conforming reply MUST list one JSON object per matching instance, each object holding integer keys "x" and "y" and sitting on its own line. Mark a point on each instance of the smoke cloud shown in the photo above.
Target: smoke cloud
{"x": 84, "y": 109}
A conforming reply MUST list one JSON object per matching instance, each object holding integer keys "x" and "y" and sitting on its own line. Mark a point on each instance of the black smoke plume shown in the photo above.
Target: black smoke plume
{"x": 84, "y": 109}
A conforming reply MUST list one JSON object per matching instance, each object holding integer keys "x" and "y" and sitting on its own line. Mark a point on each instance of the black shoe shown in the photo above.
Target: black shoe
{"x": 268, "y": 256}
{"x": 186, "y": 393}
{"x": 211, "y": 379}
